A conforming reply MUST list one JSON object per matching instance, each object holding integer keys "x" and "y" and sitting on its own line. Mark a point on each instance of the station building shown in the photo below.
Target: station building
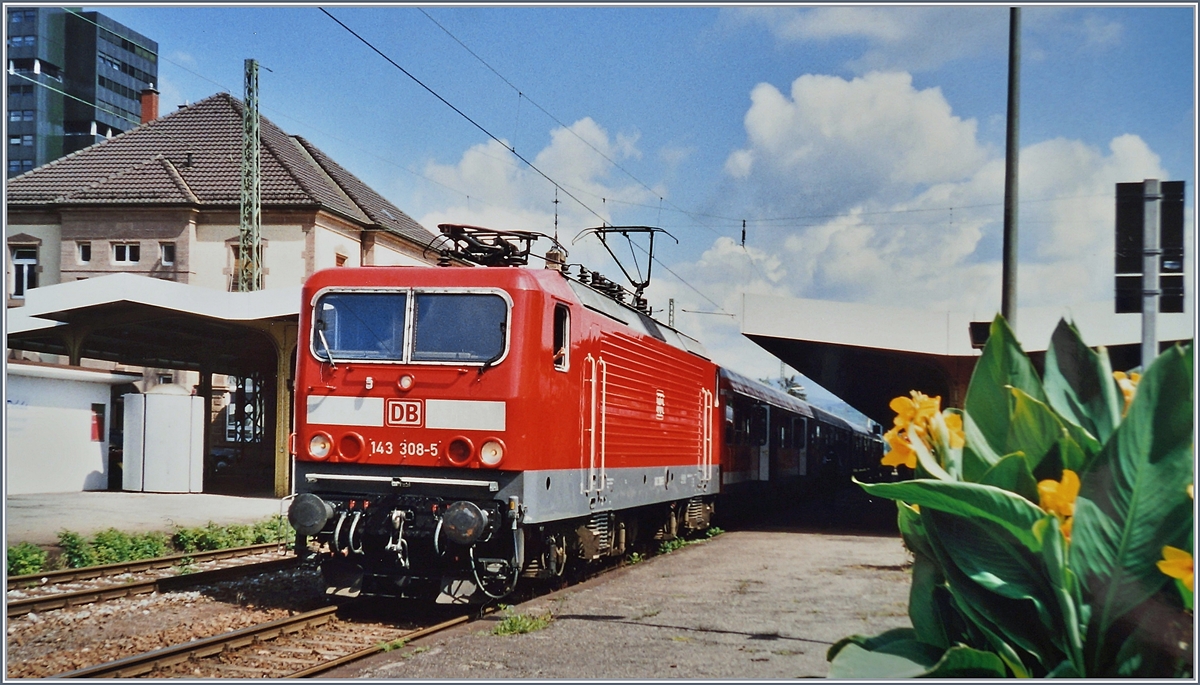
{"x": 162, "y": 202}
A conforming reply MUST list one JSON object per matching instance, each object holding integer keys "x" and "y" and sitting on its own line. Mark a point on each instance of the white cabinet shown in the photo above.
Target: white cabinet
{"x": 164, "y": 443}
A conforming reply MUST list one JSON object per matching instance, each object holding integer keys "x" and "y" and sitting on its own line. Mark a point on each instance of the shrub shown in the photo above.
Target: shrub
{"x": 26, "y": 558}
{"x": 1049, "y": 520}
{"x": 77, "y": 552}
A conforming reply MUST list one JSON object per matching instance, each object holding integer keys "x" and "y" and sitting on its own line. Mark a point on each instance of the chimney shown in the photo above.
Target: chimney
{"x": 149, "y": 104}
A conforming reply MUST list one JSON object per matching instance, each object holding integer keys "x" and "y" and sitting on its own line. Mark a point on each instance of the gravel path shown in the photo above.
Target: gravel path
{"x": 742, "y": 605}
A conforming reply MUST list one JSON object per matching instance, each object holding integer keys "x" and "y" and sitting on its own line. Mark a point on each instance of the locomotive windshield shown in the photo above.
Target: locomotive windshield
{"x": 459, "y": 327}
{"x": 360, "y": 326}
{"x": 446, "y": 327}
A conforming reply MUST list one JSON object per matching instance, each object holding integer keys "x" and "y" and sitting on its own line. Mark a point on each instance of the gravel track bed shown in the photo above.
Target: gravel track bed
{"x": 50, "y": 643}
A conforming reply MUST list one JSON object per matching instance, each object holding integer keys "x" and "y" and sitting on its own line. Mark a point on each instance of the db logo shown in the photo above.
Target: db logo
{"x": 404, "y": 412}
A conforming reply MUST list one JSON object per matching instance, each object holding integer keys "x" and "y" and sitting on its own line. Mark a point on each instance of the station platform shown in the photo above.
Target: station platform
{"x": 38, "y": 518}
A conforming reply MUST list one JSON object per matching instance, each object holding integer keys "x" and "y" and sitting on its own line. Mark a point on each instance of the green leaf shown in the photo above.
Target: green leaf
{"x": 1012, "y": 473}
{"x": 966, "y": 662}
{"x": 855, "y": 663}
{"x": 1132, "y": 500}
{"x": 998, "y": 563}
{"x": 978, "y": 455}
{"x": 1064, "y": 670}
{"x": 894, "y": 654}
{"x": 1003, "y": 364}
{"x": 1069, "y": 630}
{"x": 923, "y": 607}
{"x": 1013, "y": 513}
{"x": 1002, "y": 622}
{"x": 1079, "y": 383}
{"x": 1033, "y": 428}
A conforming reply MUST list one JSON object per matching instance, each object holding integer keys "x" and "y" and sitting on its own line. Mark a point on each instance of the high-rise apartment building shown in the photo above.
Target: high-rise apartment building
{"x": 74, "y": 79}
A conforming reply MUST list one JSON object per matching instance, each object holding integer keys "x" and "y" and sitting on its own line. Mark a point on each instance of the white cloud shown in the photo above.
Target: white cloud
{"x": 503, "y": 193}
{"x": 917, "y": 204}
{"x": 833, "y": 141}
{"x": 909, "y": 38}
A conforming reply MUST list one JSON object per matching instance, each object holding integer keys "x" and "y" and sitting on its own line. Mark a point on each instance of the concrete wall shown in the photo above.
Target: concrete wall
{"x": 49, "y": 445}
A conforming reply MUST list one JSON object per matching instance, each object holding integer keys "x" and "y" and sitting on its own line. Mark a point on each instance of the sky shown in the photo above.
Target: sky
{"x": 862, "y": 146}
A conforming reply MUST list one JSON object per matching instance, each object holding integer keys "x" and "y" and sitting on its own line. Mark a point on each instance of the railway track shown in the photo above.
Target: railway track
{"x": 47, "y": 597}
{"x": 69, "y": 575}
{"x": 298, "y": 646}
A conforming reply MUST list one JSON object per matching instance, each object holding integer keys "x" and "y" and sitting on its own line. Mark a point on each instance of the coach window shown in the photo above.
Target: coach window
{"x": 562, "y": 337}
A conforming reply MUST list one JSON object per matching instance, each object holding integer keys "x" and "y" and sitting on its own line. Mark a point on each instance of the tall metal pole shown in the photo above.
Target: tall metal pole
{"x": 1152, "y": 198}
{"x": 249, "y": 276}
{"x": 1008, "y": 296}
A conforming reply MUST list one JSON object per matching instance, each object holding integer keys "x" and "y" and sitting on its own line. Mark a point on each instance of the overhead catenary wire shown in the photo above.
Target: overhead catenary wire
{"x": 489, "y": 134}
{"x": 462, "y": 114}
{"x": 274, "y": 113}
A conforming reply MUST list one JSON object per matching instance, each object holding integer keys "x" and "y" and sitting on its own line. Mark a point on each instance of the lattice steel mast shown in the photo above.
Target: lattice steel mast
{"x": 249, "y": 273}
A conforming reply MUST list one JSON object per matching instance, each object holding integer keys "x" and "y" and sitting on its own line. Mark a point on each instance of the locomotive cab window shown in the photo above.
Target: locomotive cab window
{"x": 459, "y": 327}
{"x": 562, "y": 337}
{"x": 360, "y": 326}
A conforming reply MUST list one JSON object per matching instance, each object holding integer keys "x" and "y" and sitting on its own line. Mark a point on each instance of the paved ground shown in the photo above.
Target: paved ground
{"x": 38, "y": 518}
{"x": 746, "y": 604}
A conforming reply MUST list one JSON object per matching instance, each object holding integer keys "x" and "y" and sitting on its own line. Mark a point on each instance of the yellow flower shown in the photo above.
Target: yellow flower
{"x": 955, "y": 425}
{"x": 1128, "y": 385}
{"x": 900, "y": 453}
{"x": 1058, "y": 497}
{"x": 1178, "y": 564}
{"x": 917, "y": 410}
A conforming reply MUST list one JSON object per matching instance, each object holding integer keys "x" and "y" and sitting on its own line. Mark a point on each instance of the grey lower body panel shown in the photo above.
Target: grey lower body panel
{"x": 548, "y": 495}
{"x": 564, "y": 494}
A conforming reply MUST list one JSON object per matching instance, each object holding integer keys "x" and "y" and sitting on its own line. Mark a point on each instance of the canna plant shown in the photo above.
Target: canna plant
{"x": 1050, "y": 521}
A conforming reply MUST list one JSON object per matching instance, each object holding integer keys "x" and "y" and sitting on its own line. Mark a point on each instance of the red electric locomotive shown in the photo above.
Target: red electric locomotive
{"x": 457, "y": 429}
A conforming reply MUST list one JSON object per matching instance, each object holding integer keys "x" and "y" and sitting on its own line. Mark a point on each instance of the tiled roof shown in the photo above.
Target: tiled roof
{"x": 192, "y": 156}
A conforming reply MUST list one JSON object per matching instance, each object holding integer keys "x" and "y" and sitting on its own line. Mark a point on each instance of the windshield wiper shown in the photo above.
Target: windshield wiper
{"x": 325, "y": 343}
{"x": 488, "y": 364}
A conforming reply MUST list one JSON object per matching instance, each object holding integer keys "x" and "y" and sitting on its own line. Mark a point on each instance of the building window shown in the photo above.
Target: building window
{"x": 83, "y": 253}
{"x": 25, "y": 268}
{"x": 126, "y": 253}
{"x": 18, "y": 165}
{"x": 22, "y": 41}
{"x": 165, "y": 379}
{"x": 20, "y": 115}
{"x": 22, "y": 15}
{"x": 167, "y": 253}
{"x": 14, "y": 140}
{"x": 20, "y": 89}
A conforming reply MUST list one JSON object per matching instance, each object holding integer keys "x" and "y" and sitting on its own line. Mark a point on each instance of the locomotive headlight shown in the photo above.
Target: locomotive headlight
{"x": 320, "y": 445}
{"x": 464, "y": 522}
{"x": 491, "y": 452}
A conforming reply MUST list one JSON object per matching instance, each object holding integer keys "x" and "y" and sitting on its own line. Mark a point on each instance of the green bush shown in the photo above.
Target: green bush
{"x": 1049, "y": 520}
{"x": 26, "y": 558}
{"x": 77, "y": 552}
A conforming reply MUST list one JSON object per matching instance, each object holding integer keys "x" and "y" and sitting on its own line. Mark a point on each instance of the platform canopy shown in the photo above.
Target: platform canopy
{"x": 144, "y": 321}
{"x": 868, "y": 354}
